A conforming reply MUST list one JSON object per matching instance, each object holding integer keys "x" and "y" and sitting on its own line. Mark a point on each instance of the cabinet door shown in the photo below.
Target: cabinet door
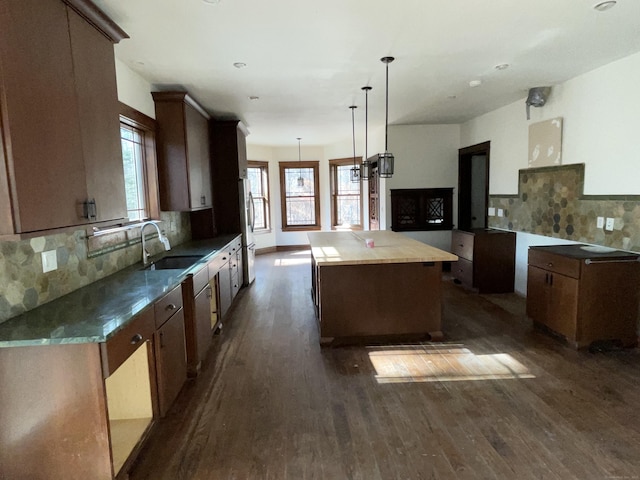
{"x": 537, "y": 294}
{"x": 41, "y": 128}
{"x": 171, "y": 360}
{"x": 198, "y": 157}
{"x": 95, "y": 81}
{"x": 224, "y": 279}
{"x": 203, "y": 321}
{"x": 563, "y": 305}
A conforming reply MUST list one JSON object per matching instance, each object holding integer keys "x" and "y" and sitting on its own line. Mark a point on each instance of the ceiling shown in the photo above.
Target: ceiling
{"x": 307, "y": 61}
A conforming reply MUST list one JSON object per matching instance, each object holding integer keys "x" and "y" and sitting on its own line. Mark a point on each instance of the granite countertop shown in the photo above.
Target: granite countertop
{"x": 348, "y": 248}
{"x": 584, "y": 252}
{"x": 97, "y": 311}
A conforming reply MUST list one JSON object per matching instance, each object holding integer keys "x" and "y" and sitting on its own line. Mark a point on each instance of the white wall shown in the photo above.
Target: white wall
{"x": 600, "y": 124}
{"x": 134, "y": 90}
{"x": 426, "y": 156}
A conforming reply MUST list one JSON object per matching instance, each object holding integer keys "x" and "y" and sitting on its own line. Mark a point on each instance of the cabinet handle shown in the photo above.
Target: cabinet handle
{"x": 161, "y": 339}
{"x": 137, "y": 338}
{"x": 90, "y": 209}
{"x": 224, "y": 258}
{"x": 209, "y": 292}
{"x": 170, "y": 307}
{"x": 203, "y": 200}
{"x": 549, "y": 264}
{"x": 551, "y": 279}
{"x": 461, "y": 245}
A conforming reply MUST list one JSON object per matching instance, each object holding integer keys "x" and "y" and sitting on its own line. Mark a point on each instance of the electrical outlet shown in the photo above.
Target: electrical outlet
{"x": 49, "y": 261}
{"x": 492, "y": 212}
{"x": 500, "y": 212}
{"x": 600, "y": 222}
{"x": 609, "y": 224}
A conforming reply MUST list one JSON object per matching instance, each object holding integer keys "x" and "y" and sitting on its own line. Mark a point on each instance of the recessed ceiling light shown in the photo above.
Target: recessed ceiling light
{"x": 502, "y": 66}
{"x": 211, "y": 2}
{"x": 602, "y": 6}
{"x": 452, "y": 97}
{"x": 239, "y": 64}
{"x": 475, "y": 83}
{"x": 254, "y": 97}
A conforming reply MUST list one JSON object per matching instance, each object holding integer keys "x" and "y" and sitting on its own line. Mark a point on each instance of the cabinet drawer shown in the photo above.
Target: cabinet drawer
{"x": 235, "y": 285}
{"x": 167, "y": 306}
{"x": 555, "y": 263}
{"x": 219, "y": 261}
{"x": 119, "y": 347}
{"x": 463, "y": 271}
{"x": 462, "y": 244}
{"x": 200, "y": 280}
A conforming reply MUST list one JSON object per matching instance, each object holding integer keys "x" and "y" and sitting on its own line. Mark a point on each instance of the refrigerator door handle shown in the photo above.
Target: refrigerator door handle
{"x": 252, "y": 212}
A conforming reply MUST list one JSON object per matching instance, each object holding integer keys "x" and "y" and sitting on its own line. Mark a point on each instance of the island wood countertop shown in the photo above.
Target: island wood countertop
{"x": 348, "y": 248}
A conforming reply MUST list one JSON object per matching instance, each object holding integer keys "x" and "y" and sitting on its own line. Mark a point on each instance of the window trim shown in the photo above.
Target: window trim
{"x": 267, "y": 198}
{"x": 133, "y": 118}
{"x": 333, "y": 164}
{"x": 315, "y": 165}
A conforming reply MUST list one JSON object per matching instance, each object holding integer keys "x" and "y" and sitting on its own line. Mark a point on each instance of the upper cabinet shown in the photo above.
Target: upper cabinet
{"x": 229, "y": 165}
{"x": 59, "y": 117}
{"x": 183, "y": 152}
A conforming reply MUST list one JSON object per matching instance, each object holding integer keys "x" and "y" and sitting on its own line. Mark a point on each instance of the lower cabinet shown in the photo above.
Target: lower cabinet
{"x": 226, "y": 294}
{"x": 486, "y": 259}
{"x": 584, "y": 298}
{"x": 171, "y": 361}
{"x": 170, "y": 349}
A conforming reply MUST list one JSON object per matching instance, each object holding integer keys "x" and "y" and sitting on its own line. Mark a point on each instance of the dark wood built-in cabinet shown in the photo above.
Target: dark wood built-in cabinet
{"x": 584, "y": 296}
{"x": 183, "y": 152}
{"x": 229, "y": 166}
{"x": 486, "y": 259}
{"x": 421, "y": 209}
{"x": 62, "y": 164}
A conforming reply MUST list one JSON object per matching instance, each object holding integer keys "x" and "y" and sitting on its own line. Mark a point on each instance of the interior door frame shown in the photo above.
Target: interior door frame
{"x": 465, "y": 156}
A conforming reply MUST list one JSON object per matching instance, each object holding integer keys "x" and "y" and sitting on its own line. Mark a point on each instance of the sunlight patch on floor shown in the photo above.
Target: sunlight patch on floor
{"x": 446, "y": 363}
{"x": 285, "y": 262}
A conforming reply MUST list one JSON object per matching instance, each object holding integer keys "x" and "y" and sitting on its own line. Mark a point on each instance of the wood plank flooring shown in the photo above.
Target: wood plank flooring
{"x": 496, "y": 400}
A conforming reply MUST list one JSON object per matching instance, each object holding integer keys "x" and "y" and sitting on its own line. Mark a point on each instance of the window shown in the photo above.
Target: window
{"x": 421, "y": 209}
{"x": 346, "y": 196}
{"x": 137, "y": 137}
{"x": 299, "y": 190}
{"x": 258, "y": 175}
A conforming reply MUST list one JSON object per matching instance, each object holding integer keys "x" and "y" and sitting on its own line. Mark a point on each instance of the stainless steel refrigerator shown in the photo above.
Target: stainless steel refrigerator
{"x": 247, "y": 212}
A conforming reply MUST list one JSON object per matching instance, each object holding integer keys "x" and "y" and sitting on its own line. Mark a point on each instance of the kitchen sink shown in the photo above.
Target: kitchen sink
{"x": 174, "y": 262}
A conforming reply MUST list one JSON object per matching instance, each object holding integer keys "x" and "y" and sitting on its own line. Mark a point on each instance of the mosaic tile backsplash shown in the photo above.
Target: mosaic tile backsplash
{"x": 551, "y": 202}
{"x": 81, "y": 261}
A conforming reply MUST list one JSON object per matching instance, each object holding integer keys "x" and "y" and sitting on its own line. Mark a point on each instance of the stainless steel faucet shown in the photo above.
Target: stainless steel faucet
{"x": 163, "y": 239}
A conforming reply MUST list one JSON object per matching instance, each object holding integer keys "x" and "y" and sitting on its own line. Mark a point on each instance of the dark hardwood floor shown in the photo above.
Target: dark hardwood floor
{"x": 496, "y": 400}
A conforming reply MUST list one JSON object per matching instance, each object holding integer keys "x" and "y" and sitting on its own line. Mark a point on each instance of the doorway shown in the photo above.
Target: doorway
{"x": 473, "y": 186}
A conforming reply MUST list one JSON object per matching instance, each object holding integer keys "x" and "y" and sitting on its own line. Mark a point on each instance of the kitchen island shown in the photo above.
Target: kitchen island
{"x": 390, "y": 290}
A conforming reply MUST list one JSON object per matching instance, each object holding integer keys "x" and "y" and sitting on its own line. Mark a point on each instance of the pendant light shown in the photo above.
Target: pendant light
{"x": 365, "y": 168}
{"x": 385, "y": 160}
{"x": 300, "y": 177}
{"x": 355, "y": 170}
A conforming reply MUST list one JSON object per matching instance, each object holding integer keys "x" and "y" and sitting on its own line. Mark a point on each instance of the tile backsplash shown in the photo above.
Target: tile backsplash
{"x": 550, "y": 202}
{"x": 81, "y": 261}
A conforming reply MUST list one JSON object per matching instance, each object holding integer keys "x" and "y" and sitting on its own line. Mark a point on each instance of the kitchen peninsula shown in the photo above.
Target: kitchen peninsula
{"x": 392, "y": 289}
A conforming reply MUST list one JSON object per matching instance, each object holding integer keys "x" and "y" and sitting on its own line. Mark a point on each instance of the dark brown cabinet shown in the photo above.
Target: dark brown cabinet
{"x": 184, "y": 174}
{"x": 486, "y": 259}
{"x": 584, "y": 298}
{"x": 170, "y": 348}
{"x": 60, "y": 117}
{"x": 197, "y": 297}
{"x": 229, "y": 165}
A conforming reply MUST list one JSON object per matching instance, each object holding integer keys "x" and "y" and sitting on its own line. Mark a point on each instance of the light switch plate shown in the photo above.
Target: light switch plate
{"x": 600, "y": 222}
{"x": 500, "y": 212}
{"x": 609, "y": 224}
{"x": 492, "y": 212}
{"x": 49, "y": 261}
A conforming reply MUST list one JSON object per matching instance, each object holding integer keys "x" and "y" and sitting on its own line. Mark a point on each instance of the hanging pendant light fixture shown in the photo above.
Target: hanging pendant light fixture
{"x": 355, "y": 170}
{"x": 365, "y": 168}
{"x": 300, "y": 177}
{"x": 385, "y": 160}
